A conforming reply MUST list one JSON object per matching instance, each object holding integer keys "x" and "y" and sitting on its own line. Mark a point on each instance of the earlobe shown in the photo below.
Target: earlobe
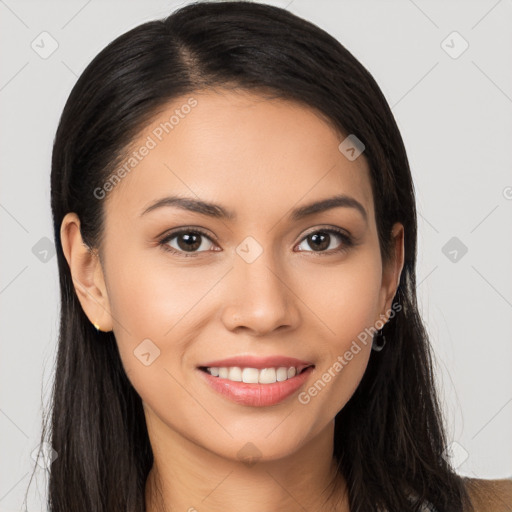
{"x": 86, "y": 272}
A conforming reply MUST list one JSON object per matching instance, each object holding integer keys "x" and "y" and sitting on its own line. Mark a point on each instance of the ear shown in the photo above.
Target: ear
{"x": 86, "y": 272}
{"x": 392, "y": 270}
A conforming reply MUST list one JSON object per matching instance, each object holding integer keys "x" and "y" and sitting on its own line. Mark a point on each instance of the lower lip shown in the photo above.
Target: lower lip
{"x": 256, "y": 395}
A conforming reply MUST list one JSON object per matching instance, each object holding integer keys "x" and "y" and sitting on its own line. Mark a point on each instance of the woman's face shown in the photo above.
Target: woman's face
{"x": 262, "y": 283}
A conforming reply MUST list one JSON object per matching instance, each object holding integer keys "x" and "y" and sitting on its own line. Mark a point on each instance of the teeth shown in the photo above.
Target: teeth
{"x": 254, "y": 375}
{"x": 249, "y": 375}
{"x": 267, "y": 376}
{"x": 235, "y": 374}
{"x": 281, "y": 374}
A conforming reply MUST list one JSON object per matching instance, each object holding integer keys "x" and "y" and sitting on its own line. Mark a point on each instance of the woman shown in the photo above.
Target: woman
{"x": 235, "y": 225}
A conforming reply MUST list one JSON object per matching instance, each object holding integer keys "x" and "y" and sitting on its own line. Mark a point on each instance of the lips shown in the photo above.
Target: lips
{"x": 258, "y": 362}
{"x": 256, "y": 395}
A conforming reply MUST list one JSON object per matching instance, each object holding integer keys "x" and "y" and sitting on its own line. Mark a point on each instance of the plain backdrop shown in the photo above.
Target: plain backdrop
{"x": 444, "y": 68}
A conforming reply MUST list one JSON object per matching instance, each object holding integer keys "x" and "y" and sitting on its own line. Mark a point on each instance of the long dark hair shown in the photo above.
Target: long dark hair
{"x": 389, "y": 438}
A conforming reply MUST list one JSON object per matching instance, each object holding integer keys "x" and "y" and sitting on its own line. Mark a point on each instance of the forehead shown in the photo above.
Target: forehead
{"x": 253, "y": 154}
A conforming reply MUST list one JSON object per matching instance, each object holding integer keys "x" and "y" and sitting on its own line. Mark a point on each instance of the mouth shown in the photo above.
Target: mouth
{"x": 256, "y": 387}
{"x": 250, "y": 375}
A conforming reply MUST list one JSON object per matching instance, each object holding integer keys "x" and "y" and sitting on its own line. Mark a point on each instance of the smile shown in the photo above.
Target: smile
{"x": 243, "y": 385}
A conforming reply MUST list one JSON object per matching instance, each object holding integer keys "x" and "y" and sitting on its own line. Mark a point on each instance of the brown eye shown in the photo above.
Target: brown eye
{"x": 321, "y": 240}
{"x": 187, "y": 241}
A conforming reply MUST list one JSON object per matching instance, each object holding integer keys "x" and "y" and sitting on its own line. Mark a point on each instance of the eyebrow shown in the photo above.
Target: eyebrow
{"x": 219, "y": 212}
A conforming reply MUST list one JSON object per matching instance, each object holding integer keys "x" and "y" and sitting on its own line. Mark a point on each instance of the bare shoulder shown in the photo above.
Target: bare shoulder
{"x": 490, "y": 495}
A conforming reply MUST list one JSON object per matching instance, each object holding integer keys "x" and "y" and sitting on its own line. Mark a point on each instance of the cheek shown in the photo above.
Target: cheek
{"x": 149, "y": 296}
{"x": 344, "y": 297}
{"x": 346, "y": 306}
{"x": 156, "y": 309}
{"x": 152, "y": 307}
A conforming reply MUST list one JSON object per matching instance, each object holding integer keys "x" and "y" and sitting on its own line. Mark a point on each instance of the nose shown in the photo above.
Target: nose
{"x": 259, "y": 297}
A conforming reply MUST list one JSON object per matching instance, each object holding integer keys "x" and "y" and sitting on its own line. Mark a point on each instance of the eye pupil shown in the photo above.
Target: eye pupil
{"x": 319, "y": 240}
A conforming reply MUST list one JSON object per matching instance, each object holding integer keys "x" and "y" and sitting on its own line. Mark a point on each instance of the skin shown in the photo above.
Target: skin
{"x": 259, "y": 158}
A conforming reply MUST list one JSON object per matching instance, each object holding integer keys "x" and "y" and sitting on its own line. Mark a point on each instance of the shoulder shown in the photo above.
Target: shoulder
{"x": 490, "y": 495}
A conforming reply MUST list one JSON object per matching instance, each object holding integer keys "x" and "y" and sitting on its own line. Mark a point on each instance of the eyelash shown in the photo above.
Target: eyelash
{"x": 347, "y": 242}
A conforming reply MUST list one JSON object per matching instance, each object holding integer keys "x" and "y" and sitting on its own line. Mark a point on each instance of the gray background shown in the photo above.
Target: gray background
{"x": 454, "y": 112}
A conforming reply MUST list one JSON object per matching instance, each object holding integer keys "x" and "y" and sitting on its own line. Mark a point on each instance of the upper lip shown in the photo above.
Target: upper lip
{"x": 258, "y": 362}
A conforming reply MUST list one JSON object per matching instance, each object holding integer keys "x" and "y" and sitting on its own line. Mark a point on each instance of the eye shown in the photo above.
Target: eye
{"x": 321, "y": 240}
{"x": 190, "y": 241}
{"x": 187, "y": 240}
